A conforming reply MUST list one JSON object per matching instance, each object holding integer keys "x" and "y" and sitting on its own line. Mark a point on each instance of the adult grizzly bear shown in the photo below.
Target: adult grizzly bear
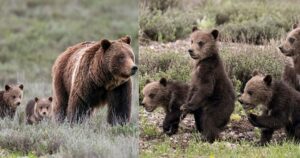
{"x": 10, "y": 99}
{"x": 291, "y": 48}
{"x": 170, "y": 95}
{"x": 281, "y": 106}
{"x": 211, "y": 89}
{"x": 92, "y": 74}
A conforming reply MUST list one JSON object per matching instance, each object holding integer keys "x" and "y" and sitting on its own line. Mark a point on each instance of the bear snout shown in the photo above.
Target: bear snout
{"x": 134, "y": 70}
{"x": 280, "y": 48}
{"x": 240, "y": 100}
{"x": 18, "y": 103}
{"x": 191, "y": 51}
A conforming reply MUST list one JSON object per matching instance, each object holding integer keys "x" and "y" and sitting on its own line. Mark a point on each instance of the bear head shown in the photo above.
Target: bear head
{"x": 258, "y": 90}
{"x": 203, "y": 43}
{"x": 155, "y": 94}
{"x": 42, "y": 107}
{"x": 119, "y": 57}
{"x": 291, "y": 46}
{"x": 13, "y": 95}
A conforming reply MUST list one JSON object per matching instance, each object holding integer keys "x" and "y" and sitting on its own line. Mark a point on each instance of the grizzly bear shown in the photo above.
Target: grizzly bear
{"x": 291, "y": 48}
{"x": 170, "y": 95}
{"x": 38, "y": 109}
{"x": 10, "y": 99}
{"x": 92, "y": 74}
{"x": 281, "y": 106}
{"x": 211, "y": 89}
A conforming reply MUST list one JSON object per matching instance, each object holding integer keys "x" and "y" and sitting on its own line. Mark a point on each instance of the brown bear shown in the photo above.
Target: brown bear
{"x": 92, "y": 74}
{"x": 211, "y": 89}
{"x": 38, "y": 109}
{"x": 291, "y": 48}
{"x": 170, "y": 95}
{"x": 281, "y": 106}
{"x": 10, "y": 99}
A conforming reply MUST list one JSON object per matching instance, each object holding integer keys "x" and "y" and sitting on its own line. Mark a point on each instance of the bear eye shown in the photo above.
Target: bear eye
{"x": 250, "y": 93}
{"x": 291, "y": 40}
{"x": 201, "y": 43}
{"x": 152, "y": 95}
{"x": 121, "y": 58}
{"x": 14, "y": 97}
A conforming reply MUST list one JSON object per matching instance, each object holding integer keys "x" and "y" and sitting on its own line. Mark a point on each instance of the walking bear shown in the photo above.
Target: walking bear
{"x": 92, "y": 74}
{"x": 281, "y": 106}
{"x": 38, "y": 109}
{"x": 170, "y": 95}
{"x": 211, "y": 89}
{"x": 10, "y": 99}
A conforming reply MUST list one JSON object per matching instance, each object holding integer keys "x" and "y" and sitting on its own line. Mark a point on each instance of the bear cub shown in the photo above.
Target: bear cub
{"x": 169, "y": 95}
{"x": 211, "y": 91}
{"x": 10, "y": 99}
{"x": 281, "y": 106}
{"x": 291, "y": 48}
{"x": 38, "y": 109}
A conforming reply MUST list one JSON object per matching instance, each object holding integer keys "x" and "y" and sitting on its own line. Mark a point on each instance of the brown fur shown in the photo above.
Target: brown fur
{"x": 211, "y": 90}
{"x": 38, "y": 109}
{"x": 281, "y": 106}
{"x": 10, "y": 99}
{"x": 291, "y": 49}
{"x": 92, "y": 74}
{"x": 170, "y": 95}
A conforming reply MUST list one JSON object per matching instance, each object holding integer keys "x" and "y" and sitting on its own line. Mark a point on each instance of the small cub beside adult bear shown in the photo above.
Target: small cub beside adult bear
{"x": 281, "y": 102}
{"x": 10, "y": 99}
{"x": 211, "y": 90}
{"x": 170, "y": 95}
{"x": 38, "y": 109}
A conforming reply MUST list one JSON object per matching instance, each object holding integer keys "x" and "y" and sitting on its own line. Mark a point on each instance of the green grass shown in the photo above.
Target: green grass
{"x": 32, "y": 34}
{"x": 252, "y": 21}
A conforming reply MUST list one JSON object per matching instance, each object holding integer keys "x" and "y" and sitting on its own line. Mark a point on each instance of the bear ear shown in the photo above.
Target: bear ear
{"x": 215, "y": 33}
{"x": 105, "y": 44}
{"x": 21, "y": 86}
{"x": 195, "y": 28}
{"x": 147, "y": 81}
{"x": 295, "y": 26}
{"x": 36, "y": 99}
{"x": 163, "y": 81}
{"x": 50, "y": 99}
{"x": 126, "y": 39}
{"x": 268, "y": 80}
{"x": 255, "y": 73}
{"x": 7, "y": 87}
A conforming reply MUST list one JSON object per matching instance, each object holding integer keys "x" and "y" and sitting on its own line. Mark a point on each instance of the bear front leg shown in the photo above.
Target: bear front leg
{"x": 119, "y": 104}
{"x": 198, "y": 119}
{"x": 171, "y": 122}
{"x": 266, "y": 135}
{"x": 77, "y": 109}
{"x": 60, "y": 100}
{"x": 270, "y": 122}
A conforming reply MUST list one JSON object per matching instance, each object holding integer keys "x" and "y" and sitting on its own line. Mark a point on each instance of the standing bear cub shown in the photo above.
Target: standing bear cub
{"x": 91, "y": 74}
{"x": 10, "y": 99}
{"x": 170, "y": 95}
{"x": 211, "y": 90}
{"x": 291, "y": 48}
{"x": 38, "y": 109}
{"x": 281, "y": 106}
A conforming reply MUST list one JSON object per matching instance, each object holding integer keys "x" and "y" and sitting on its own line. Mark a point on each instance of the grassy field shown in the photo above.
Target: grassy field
{"x": 250, "y": 34}
{"x": 32, "y": 34}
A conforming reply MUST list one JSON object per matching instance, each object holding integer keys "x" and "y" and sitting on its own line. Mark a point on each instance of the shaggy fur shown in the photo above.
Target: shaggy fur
{"x": 291, "y": 49}
{"x": 10, "y": 99}
{"x": 38, "y": 109}
{"x": 92, "y": 74}
{"x": 169, "y": 95}
{"x": 211, "y": 90}
{"x": 281, "y": 106}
